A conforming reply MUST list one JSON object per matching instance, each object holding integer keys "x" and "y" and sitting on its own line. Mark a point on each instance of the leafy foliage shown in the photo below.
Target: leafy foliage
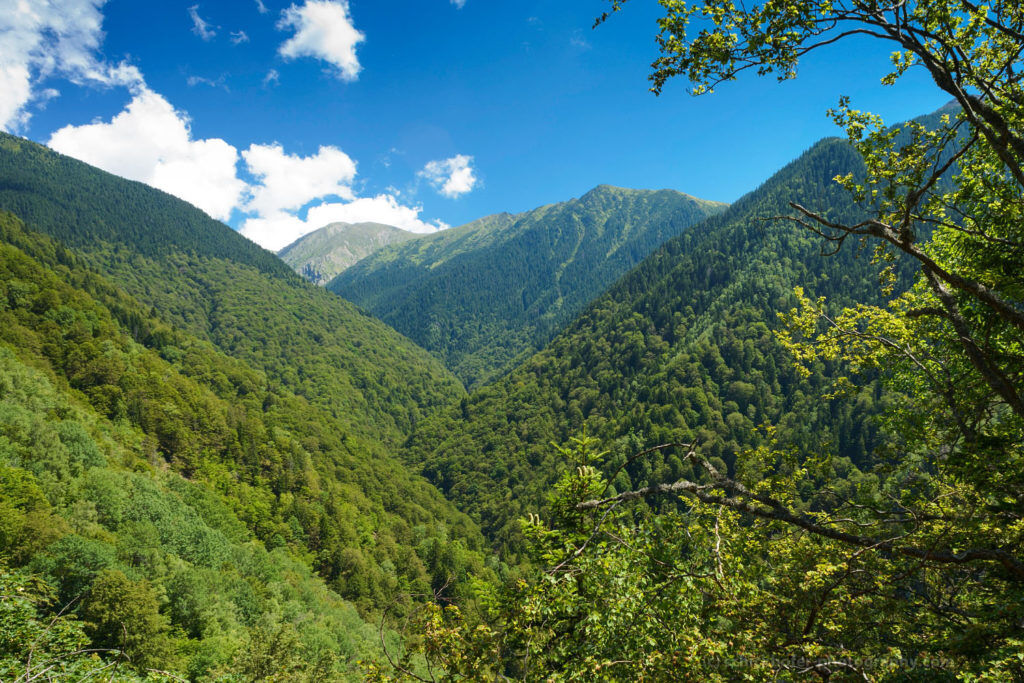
{"x": 792, "y": 563}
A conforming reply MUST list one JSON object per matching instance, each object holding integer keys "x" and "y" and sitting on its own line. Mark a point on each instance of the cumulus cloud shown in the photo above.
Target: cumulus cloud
{"x": 278, "y": 230}
{"x": 289, "y": 182}
{"x": 152, "y": 142}
{"x": 323, "y": 30}
{"x": 16, "y": 86}
{"x": 451, "y": 177}
{"x": 290, "y": 185}
{"x": 290, "y": 196}
{"x": 200, "y": 26}
{"x": 44, "y": 38}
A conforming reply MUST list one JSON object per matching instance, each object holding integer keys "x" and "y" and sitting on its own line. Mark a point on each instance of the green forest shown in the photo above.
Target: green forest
{"x": 490, "y": 293}
{"x": 630, "y": 436}
{"x": 227, "y": 443}
{"x": 681, "y": 349}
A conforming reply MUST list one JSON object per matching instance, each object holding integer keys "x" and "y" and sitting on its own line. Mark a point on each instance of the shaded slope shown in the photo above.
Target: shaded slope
{"x": 481, "y": 295}
{"x": 322, "y": 254}
{"x": 83, "y": 206}
{"x": 680, "y": 349}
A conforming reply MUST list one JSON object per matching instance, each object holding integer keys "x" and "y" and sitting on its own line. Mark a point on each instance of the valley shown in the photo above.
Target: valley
{"x": 577, "y": 435}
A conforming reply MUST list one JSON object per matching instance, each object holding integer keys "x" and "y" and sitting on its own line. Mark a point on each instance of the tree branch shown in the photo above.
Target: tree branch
{"x": 759, "y": 505}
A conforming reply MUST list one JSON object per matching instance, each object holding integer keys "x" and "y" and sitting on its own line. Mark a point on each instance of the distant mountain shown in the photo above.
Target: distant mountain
{"x": 487, "y": 293}
{"x": 681, "y": 349}
{"x": 323, "y": 254}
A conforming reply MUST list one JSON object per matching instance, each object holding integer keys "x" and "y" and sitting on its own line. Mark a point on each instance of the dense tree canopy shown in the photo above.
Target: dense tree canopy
{"x": 172, "y": 505}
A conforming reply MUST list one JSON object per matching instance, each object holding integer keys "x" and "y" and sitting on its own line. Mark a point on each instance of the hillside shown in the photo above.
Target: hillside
{"x": 199, "y": 275}
{"x": 323, "y": 254}
{"x": 485, "y": 294}
{"x": 231, "y": 439}
{"x": 136, "y": 455}
{"x": 682, "y": 348}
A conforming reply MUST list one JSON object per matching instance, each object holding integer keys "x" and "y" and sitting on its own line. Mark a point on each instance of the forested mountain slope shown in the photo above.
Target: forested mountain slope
{"x": 323, "y": 254}
{"x": 235, "y": 426}
{"x": 486, "y": 293}
{"x": 135, "y": 455}
{"x": 198, "y": 274}
{"x": 680, "y": 349}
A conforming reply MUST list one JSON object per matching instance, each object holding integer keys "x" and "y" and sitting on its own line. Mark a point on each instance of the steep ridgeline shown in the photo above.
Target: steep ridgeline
{"x": 198, "y": 274}
{"x": 681, "y": 349}
{"x": 205, "y": 426}
{"x": 323, "y": 254}
{"x": 487, "y": 293}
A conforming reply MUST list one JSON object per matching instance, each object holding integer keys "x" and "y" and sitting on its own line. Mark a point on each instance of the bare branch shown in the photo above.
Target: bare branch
{"x": 644, "y": 452}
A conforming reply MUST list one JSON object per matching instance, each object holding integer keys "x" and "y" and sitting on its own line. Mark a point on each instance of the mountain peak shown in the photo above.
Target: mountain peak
{"x": 482, "y": 294}
{"x": 604, "y": 191}
{"x": 324, "y": 253}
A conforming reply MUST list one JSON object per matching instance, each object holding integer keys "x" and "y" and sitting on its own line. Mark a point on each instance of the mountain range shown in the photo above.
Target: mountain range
{"x": 489, "y": 293}
{"x": 251, "y": 471}
{"x": 680, "y": 350}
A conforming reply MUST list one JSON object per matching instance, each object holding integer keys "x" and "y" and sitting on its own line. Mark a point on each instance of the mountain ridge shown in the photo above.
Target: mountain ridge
{"x": 482, "y": 295}
{"x": 680, "y": 349}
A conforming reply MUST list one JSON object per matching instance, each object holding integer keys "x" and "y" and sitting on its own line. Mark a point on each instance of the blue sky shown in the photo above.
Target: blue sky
{"x": 280, "y": 116}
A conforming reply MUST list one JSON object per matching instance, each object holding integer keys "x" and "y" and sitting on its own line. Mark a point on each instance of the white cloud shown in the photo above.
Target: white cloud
{"x": 16, "y": 86}
{"x": 272, "y": 78}
{"x": 459, "y": 3}
{"x": 200, "y": 27}
{"x": 451, "y": 177}
{"x": 152, "y": 142}
{"x": 219, "y": 82}
{"x": 238, "y": 37}
{"x": 383, "y": 208}
{"x": 278, "y": 230}
{"x": 261, "y": 7}
{"x": 323, "y": 30}
{"x": 43, "y": 38}
{"x": 289, "y": 182}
